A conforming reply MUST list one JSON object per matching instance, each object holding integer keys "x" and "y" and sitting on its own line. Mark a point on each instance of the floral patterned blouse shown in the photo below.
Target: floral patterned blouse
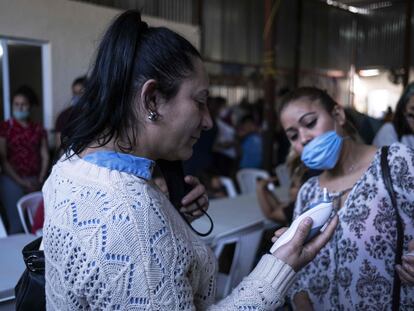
{"x": 354, "y": 271}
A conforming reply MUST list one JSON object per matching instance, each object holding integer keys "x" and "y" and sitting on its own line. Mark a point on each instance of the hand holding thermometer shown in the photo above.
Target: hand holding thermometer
{"x": 319, "y": 212}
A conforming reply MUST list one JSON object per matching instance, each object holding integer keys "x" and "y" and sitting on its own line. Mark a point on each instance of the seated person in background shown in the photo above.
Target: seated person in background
{"x": 24, "y": 155}
{"x": 224, "y": 148}
{"x": 388, "y": 115}
{"x": 202, "y": 158}
{"x": 401, "y": 129}
{"x": 250, "y": 143}
{"x": 211, "y": 180}
{"x": 272, "y": 207}
{"x": 78, "y": 86}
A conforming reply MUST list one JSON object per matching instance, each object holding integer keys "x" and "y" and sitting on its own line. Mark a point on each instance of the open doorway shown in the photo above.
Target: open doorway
{"x": 25, "y": 62}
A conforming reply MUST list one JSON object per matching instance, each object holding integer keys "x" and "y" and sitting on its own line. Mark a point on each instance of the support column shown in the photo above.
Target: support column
{"x": 298, "y": 45}
{"x": 269, "y": 84}
{"x": 407, "y": 42}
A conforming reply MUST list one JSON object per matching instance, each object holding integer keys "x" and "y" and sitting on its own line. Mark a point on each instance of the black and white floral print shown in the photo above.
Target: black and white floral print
{"x": 374, "y": 287}
{"x": 347, "y": 250}
{"x": 344, "y": 277}
{"x": 384, "y": 221}
{"x": 354, "y": 271}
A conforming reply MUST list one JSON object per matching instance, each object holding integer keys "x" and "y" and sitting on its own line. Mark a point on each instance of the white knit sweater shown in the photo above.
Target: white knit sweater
{"x": 114, "y": 242}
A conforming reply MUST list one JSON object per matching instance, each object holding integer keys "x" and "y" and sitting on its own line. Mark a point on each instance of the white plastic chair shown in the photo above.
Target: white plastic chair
{"x": 27, "y": 205}
{"x": 3, "y": 232}
{"x": 247, "y": 178}
{"x": 246, "y": 242}
{"x": 229, "y": 185}
{"x": 282, "y": 173}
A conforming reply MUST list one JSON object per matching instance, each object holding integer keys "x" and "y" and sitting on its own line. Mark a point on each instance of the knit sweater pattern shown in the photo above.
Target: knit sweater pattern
{"x": 113, "y": 241}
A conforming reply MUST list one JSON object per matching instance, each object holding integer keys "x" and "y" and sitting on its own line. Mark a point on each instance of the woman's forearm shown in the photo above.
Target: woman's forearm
{"x": 270, "y": 205}
{"x": 263, "y": 202}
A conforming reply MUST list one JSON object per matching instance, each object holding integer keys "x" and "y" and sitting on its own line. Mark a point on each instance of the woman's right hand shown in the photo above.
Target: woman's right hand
{"x": 297, "y": 254}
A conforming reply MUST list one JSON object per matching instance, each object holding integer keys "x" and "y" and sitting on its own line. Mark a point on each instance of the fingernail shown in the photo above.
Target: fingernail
{"x": 308, "y": 220}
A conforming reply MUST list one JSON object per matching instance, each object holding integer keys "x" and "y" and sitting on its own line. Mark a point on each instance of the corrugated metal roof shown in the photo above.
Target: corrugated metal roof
{"x": 332, "y": 37}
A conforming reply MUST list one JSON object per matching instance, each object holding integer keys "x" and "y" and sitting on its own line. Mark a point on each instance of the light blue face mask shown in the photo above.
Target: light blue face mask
{"x": 74, "y": 100}
{"x": 21, "y": 115}
{"x": 322, "y": 152}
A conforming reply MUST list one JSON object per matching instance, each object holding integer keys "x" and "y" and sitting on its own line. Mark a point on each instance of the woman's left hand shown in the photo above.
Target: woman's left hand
{"x": 406, "y": 270}
{"x": 196, "y": 199}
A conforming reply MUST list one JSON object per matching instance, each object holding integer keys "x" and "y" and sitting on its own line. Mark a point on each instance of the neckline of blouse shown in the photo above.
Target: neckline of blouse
{"x": 122, "y": 162}
{"x": 339, "y": 194}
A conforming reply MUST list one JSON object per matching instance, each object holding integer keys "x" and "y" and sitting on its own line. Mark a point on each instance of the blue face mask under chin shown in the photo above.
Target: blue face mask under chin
{"x": 322, "y": 152}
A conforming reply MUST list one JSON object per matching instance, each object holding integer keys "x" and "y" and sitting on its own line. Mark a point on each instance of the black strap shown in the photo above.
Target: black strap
{"x": 386, "y": 176}
{"x": 177, "y": 188}
{"x": 33, "y": 257}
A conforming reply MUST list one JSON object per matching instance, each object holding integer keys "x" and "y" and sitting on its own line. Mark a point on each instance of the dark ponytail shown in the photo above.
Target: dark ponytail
{"x": 129, "y": 54}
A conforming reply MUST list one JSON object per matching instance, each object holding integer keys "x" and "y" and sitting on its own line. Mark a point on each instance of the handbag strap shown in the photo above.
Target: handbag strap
{"x": 33, "y": 257}
{"x": 386, "y": 176}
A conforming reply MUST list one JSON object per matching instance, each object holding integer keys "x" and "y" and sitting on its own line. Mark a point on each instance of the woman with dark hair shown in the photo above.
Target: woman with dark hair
{"x": 112, "y": 239}
{"x": 24, "y": 155}
{"x": 355, "y": 270}
{"x": 401, "y": 129}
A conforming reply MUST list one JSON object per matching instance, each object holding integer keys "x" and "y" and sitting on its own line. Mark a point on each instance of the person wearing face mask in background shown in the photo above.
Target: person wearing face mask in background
{"x": 401, "y": 128}
{"x": 78, "y": 87}
{"x": 24, "y": 155}
{"x": 355, "y": 270}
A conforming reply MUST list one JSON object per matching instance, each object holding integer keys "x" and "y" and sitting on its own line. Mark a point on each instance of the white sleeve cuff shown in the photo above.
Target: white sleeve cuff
{"x": 274, "y": 271}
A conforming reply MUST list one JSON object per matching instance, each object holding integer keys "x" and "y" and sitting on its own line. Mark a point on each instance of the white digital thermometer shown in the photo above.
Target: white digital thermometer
{"x": 319, "y": 212}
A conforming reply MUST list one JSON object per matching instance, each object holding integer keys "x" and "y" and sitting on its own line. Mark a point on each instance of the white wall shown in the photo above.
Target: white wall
{"x": 73, "y": 30}
{"x": 374, "y": 94}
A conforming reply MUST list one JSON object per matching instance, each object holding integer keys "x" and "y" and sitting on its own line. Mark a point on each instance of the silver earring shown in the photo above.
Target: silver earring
{"x": 153, "y": 116}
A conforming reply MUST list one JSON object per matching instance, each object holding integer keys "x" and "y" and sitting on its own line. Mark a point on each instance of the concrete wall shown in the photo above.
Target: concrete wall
{"x": 73, "y": 30}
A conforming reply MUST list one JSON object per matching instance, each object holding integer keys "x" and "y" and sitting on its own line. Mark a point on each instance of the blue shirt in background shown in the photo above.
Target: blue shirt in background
{"x": 251, "y": 156}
